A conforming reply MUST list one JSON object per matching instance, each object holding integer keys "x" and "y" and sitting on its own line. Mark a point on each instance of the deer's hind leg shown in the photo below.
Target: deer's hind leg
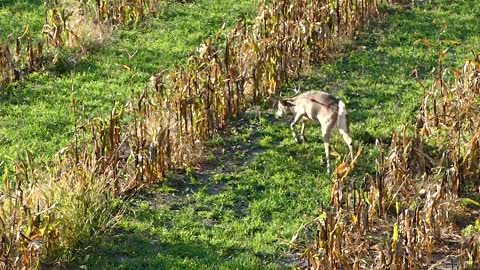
{"x": 343, "y": 128}
{"x": 327, "y": 128}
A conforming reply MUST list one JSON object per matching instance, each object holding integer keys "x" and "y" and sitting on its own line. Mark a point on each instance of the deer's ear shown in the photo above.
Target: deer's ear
{"x": 287, "y": 103}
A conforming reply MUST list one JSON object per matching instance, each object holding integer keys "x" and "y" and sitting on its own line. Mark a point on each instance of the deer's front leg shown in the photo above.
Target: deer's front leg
{"x": 302, "y": 136}
{"x": 292, "y": 126}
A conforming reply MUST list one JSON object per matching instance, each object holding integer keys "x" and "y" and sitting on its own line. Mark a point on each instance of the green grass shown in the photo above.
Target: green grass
{"x": 16, "y": 14}
{"x": 240, "y": 208}
{"x": 36, "y": 114}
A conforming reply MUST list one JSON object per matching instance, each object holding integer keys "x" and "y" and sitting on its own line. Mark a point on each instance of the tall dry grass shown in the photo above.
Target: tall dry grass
{"x": 51, "y": 212}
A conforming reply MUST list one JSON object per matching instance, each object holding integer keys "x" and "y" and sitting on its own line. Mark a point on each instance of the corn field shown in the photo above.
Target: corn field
{"x": 86, "y": 24}
{"x": 169, "y": 121}
{"x": 68, "y": 23}
{"x": 25, "y": 57}
{"x": 185, "y": 107}
{"x": 415, "y": 193}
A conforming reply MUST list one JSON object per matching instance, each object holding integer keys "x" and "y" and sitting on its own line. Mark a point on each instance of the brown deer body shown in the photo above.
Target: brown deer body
{"x": 319, "y": 107}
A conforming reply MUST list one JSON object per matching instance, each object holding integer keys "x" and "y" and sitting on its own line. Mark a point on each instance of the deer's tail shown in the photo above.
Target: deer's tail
{"x": 342, "y": 119}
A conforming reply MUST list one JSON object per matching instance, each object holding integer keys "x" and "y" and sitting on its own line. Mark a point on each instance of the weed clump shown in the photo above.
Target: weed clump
{"x": 86, "y": 33}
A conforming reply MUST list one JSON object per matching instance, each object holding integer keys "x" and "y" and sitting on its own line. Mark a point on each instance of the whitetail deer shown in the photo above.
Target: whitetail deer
{"x": 321, "y": 107}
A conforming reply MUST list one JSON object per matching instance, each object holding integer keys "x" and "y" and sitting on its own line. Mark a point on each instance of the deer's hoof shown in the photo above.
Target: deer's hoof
{"x": 299, "y": 141}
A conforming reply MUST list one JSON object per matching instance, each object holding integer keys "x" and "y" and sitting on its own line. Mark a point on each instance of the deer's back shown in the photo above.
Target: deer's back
{"x": 316, "y": 105}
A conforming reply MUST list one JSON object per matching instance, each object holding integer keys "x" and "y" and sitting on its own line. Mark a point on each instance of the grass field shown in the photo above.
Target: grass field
{"x": 240, "y": 208}
{"x": 16, "y": 14}
{"x": 36, "y": 114}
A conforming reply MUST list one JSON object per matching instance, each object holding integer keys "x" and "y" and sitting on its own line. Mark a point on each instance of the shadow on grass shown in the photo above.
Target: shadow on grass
{"x": 146, "y": 251}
